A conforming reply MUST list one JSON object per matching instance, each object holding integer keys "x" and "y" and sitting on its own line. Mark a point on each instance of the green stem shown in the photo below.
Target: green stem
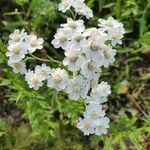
{"x": 33, "y": 57}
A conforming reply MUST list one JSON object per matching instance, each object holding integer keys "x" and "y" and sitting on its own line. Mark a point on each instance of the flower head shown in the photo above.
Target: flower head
{"x": 85, "y": 125}
{"x": 33, "y": 80}
{"x": 17, "y": 36}
{"x": 77, "y": 88}
{"x": 16, "y": 51}
{"x": 73, "y": 60}
{"x": 18, "y": 67}
{"x": 100, "y": 91}
{"x": 58, "y": 79}
{"x": 33, "y": 43}
{"x": 43, "y": 71}
{"x": 61, "y": 38}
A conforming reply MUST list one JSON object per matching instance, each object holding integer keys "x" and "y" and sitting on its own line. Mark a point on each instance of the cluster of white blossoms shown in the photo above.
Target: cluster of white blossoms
{"x": 78, "y": 5}
{"x": 86, "y": 51}
{"x": 19, "y": 45}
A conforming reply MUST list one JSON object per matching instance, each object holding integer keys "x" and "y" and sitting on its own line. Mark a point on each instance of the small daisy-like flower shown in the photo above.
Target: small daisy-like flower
{"x": 73, "y": 60}
{"x": 96, "y": 34}
{"x": 85, "y": 125}
{"x": 18, "y": 67}
{"x": 65, "y": 5}
{"x": 77, "y": 41}
{"x": 61, "y": 38}
{"x": 16, "y": 51}
{"x": 102, "y": 126}
{"x": 94, "y": 112}
{"x": 109, "y": 23}
{"x": 34, "y": 43}
{"x": 115, "y": 35}
{"x": 75, "y": 26}
{"x": 17, "y": 36}
{"x": 33, "y": 80}
{"x": 93, "y": 50}
{"x": 58, "y": 79}
{"x": 43, "y": 71}
{"x": 77, "y": 88}
{"x": 89, "y": 69}
{"x": 81, "y": 8}
{"x": 108, "y": 56}
{"x": 100, "y": 91}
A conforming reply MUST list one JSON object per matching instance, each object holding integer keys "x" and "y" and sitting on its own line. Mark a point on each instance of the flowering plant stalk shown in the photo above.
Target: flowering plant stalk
{"x": 86, "y": 51}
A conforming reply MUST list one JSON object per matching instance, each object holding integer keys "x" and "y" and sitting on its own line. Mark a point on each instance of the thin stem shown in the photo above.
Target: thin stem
{"x": 41, "y": 59}
{"x": 74, "y": 15}
{"x": 33, "y": 57}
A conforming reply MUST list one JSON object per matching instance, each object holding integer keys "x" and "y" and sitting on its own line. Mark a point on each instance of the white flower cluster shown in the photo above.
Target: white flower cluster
{"x": 19, "y": 45}
{"x": 86, "y": 51}
{"x": 78, "y": 5}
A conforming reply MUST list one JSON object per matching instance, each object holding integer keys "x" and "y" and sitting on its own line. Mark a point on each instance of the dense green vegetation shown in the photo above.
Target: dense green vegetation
{"x": 45, "y": 119}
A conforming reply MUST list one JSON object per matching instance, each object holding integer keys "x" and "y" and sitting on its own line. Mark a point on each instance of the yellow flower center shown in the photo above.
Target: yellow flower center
{"x": 34, "y": 80}
{"x": 86, "y": 125}
{"x": 94, "y": 115}
{"x": 72, "y": 24}
{"x": 16, "y": 49}
{"x": 42, "y": 72}
{"x": 33, "y": 43}
{"x": 56, "y": 78}
{"x": 78, "y": 37}
{"x": 107, "y": 54}
{"x": 77, "y": 88}
{"x": 73, "y": 57}
{"x": 91, "y": 66}
{"x": 94, "y": 46}
{"x": 101, "y": 126}
{"x": 62, "y": 38}
{"x": 115, "y": 35}
{"x": 17, "y": 65}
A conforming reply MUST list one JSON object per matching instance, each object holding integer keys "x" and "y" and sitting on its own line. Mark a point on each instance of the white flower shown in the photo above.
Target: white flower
{"x": 61, "y": 38}
{"x": 109, "y": 23}
{"x": 115, "y": 35}
{"x": 65, "y": 5}
{"x": 93, "y": 80}
{"x": 73, "y": 60}
{"x": 16, "y": 51}
{"x": 77, "y": 88}
{"x": 81, "y": 8}
{"x": 94, "y": 112}
{"x": 77, "y": 41}
{"x": 108, "y": 56}
{"x": 96, "y": 34}
{"x": 85, "y": 125}
{"x": 74, "y": 26}
{"x": 89, "y": 69}
{"x": 94, "y": 50}
{"x": 101, "y": 100}
{"x": 43, "y": 71}
{"x": 17, "y": 36}
{"x": 102, "y": 126}
{"x": 18, "y": 67}
{"x": 58, "y": 79}
{"x": 33, "y": 80}
{"x": 100, "y": 91}
{"x": 114, "y": 29}
{"x": 33, "y": 43}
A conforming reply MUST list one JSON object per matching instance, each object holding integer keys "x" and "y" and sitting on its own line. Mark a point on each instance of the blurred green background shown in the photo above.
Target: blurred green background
{"x": 46, "y": 120}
